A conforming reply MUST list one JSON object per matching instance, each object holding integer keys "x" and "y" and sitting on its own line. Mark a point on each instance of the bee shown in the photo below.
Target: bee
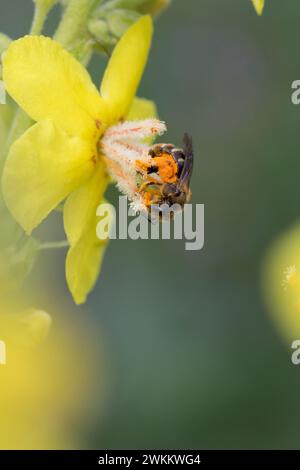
{"x": 164, "y": 179}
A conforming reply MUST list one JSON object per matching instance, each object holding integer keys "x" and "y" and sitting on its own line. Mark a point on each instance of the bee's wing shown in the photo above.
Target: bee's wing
{"x": 184, "y": 180}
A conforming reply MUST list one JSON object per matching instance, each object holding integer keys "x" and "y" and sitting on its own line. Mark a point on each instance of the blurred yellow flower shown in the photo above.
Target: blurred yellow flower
{"x": 46, "y": 381}
{"x": 290, "y": 277}
{"x": 281, "y": 283}
{"x": 59, "y": 156}
{"x": 259, "y": 6}
{"x": 26, "y": 330}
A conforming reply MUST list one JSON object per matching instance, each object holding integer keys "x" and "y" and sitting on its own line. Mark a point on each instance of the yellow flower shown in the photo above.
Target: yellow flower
{"x": 36, "y": 358}
{"x": 58, "y": 157}
{"x": 259, "y": 6}
{"x": 280, "y": 283}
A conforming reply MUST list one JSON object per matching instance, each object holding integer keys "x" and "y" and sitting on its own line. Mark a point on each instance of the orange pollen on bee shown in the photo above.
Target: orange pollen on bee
{"x": 167, "y": 167}
{"x": 142, "y": 166}
{"x": 147, "y": 199}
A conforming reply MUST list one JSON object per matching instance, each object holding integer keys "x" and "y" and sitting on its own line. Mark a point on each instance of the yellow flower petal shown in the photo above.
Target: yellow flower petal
{"x": 48, "y": 83}
{"x": 41, "y": 169}
{"x": 83, "y": 264}
{"x": 80, "y": 207}
{"x": 259, "y": 6}
{"x": 126, "y": 67}
{"x": 85, "y": 255}
{"x": 142, "y": 109}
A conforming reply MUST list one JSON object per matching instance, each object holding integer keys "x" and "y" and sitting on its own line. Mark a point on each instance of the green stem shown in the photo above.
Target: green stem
{"x": 72, "y": 31}
{"x": 53, "y": 245}
{"x": 41, "y": 11}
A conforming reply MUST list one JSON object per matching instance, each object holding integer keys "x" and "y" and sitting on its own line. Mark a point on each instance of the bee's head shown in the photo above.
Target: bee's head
{"x": 173, "y": 195}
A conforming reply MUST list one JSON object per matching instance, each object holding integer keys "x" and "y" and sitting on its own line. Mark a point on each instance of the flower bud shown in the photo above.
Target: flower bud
{"x": 259, "y": 6}
{"x": 108, "y": 29}
{"x": 99, "y": 30}
{"x": 120, "y": 20}
{"x": 155, "y": 7}
{"x": 111, "y": 19}
{"x": 45, "y": 3}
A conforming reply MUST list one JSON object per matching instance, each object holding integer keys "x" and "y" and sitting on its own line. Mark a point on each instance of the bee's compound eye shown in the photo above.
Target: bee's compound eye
{"x": 155, "y": 150}
{"x": 180, "y": 199}
{"x": 152, "y": 153}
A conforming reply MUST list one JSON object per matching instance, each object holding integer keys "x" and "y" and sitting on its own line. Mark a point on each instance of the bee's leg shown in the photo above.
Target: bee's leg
{"x": 136, "y": 130}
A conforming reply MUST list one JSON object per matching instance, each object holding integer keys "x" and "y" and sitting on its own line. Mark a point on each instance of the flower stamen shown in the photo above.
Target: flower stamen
{"x": 127, "y": 156}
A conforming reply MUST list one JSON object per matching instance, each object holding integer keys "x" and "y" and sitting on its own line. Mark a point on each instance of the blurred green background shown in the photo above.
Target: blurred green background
{"x": 192, "y": 358}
